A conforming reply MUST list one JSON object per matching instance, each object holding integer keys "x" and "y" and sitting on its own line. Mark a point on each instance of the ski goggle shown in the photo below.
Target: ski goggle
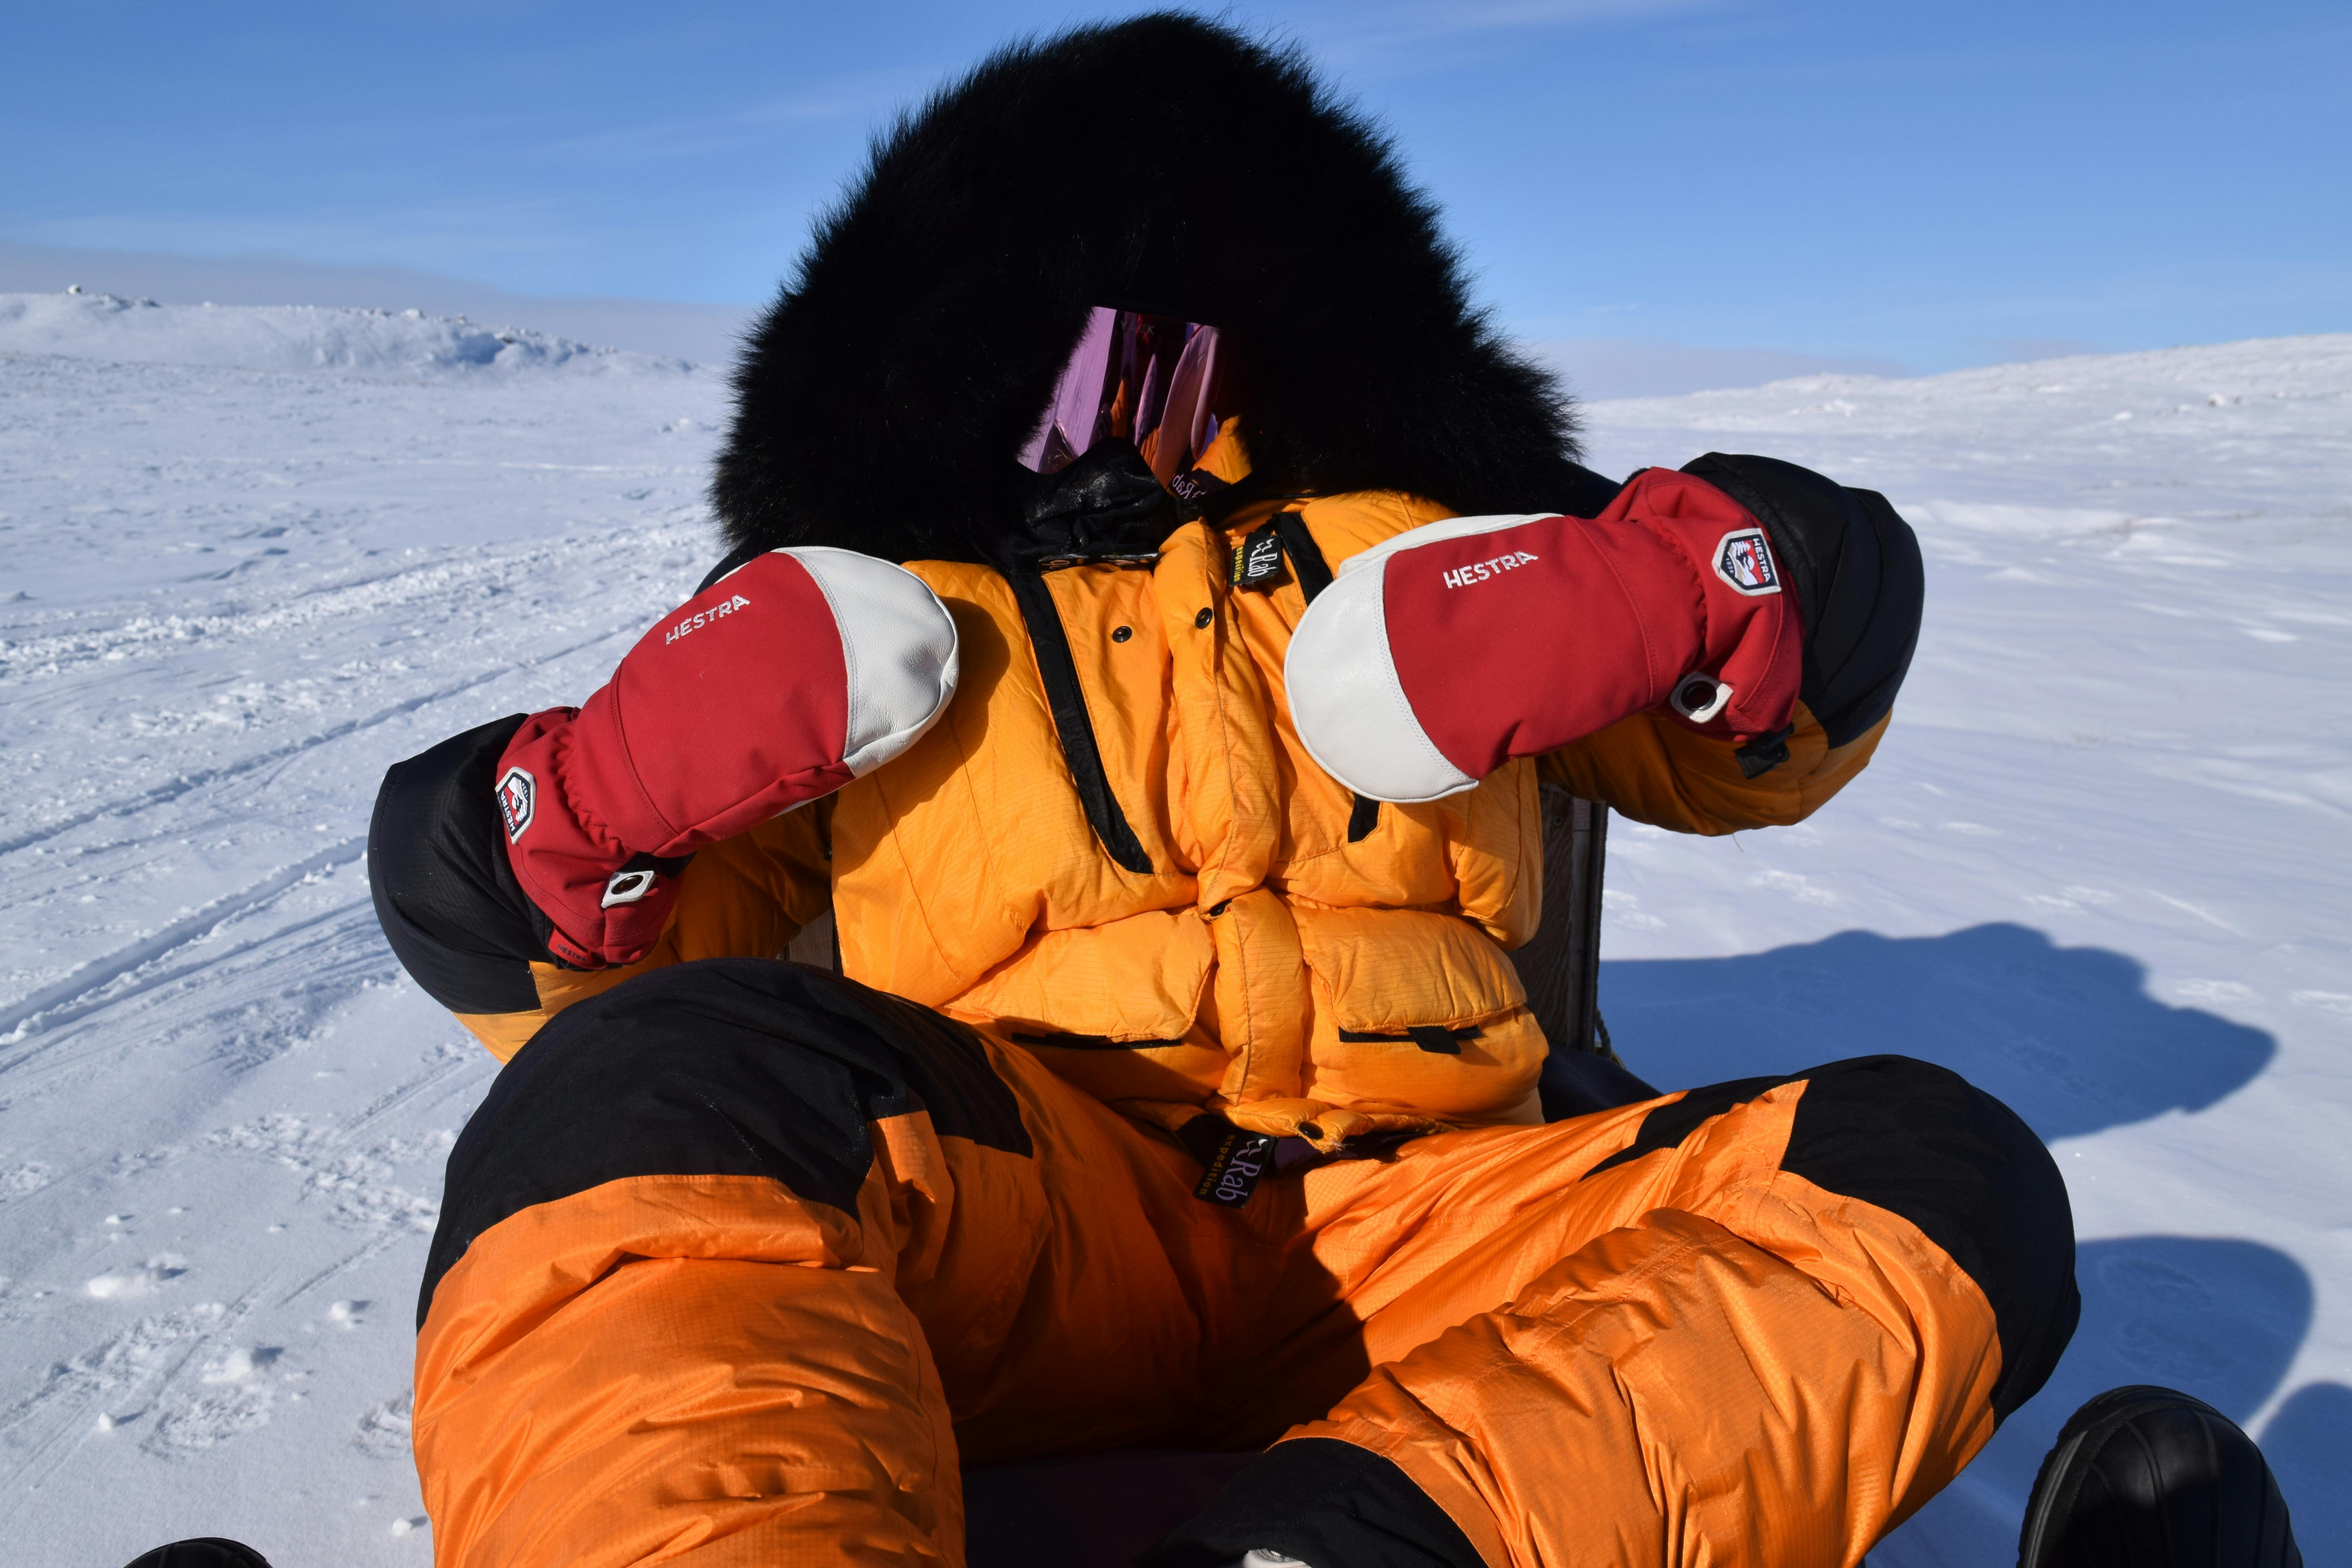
{"x": 1152, "y": 380}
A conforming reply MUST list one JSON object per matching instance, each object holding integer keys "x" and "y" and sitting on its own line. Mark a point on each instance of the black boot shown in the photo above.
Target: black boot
{"x": 2146, "y": 1477}
{"x": 206, "y": 1551}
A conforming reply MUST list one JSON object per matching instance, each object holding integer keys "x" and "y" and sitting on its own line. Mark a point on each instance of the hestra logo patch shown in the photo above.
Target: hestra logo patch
{"x": 701, "y": 618}
{"x": 517, "y": 793}
{"x": 1479, "y": 571}
{"x": 1744, "y": 560}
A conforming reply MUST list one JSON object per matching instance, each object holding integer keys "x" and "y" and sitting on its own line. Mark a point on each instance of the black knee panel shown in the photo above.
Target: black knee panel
{"x": 1328, "y": 1503}
{"x": 448, "y": 901}
{"x": 736, "y": 1067}
{"x": 1921, "y": 1141}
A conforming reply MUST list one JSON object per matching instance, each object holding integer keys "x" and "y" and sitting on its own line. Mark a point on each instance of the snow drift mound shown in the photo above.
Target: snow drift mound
{"x": 2029, "y": 399}
{"x": 295, "y": 338}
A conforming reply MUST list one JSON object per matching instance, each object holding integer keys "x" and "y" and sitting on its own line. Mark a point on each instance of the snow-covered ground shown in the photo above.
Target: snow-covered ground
{"x": 2100, "y": 864}
{"x": 250, "y": 557}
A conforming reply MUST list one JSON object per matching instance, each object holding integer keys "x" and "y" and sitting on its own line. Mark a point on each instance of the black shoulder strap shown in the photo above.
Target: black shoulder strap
{"x": 1313, "y": 575}
{"x": 742, "y": 555}
{"x": 1071, "y": 720}
{"x": 1306, "y": 562}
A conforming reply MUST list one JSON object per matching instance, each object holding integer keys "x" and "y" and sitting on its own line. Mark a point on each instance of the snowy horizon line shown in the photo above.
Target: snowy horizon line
{"x": 1596, "y": 369}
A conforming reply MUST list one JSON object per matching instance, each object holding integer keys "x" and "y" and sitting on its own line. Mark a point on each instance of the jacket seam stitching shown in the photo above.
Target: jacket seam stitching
{"x": 1233, "y": 815}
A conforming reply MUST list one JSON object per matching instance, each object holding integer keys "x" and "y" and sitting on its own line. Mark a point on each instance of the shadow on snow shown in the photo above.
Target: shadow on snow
{"x": 2219, "y": 1319}
{"x": 2068, "y": 1036}
{"x": 2071, "y": 1039}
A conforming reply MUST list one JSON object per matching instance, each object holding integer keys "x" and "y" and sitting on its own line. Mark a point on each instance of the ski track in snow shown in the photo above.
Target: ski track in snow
{"x": 231, "y": 598}
{"x": 252, "y": 558}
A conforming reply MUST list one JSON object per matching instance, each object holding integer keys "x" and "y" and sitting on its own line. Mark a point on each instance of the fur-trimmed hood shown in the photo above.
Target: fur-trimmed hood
{"x": 1165, "y": 163}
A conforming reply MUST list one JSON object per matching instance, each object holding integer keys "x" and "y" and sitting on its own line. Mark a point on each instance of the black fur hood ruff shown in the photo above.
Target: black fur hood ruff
{"x": 1166, "y": 165}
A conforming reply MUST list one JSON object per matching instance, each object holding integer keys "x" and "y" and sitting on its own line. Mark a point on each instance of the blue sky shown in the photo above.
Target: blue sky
{"x": 1923, "y": 184}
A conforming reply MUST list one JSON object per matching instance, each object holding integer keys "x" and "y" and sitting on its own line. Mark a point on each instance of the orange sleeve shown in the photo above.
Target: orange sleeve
{"x": 1655, "y": 770}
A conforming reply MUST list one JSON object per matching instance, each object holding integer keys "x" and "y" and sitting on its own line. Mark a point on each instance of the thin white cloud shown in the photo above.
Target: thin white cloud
{"x": 867, "y": 96}
{"x": 1389, "y": 41}
{"x": 1654, "y": 367}
{"x": 1545, "y": 13}
{"x": 450, "y": 234}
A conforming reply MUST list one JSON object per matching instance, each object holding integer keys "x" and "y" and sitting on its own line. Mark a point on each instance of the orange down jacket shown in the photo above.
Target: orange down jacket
{"x": 1281, "y": 940}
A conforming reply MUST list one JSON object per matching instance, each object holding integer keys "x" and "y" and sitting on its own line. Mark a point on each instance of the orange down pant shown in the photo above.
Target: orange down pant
{"x": 739, "y": 1262}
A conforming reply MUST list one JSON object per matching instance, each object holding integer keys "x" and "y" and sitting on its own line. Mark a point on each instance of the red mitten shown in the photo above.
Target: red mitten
{"x": 1440, "y": 654}
{"x": 779, "y": 683}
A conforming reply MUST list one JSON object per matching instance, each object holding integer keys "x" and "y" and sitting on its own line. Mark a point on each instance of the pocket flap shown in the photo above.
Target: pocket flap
{"x": 1388, "y": 971}
{"x": 1135, "y": 979}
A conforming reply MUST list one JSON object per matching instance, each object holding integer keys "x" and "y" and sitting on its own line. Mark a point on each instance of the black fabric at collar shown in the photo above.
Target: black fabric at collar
{"x": 1105, "y": 506}
{"x": 1071, "y": 720}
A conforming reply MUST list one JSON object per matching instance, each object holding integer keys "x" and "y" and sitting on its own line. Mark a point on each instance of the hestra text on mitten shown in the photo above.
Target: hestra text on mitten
{"x": 772, "y": 687}
{"x": 1436, "y": 656}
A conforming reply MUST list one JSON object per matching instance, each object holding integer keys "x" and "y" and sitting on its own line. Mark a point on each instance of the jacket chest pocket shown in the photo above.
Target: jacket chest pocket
{"x": 1111, "y": 1008}
{"x": 1416, "y": 1011}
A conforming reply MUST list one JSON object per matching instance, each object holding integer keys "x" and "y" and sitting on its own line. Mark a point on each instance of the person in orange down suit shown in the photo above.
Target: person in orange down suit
{"x": 1155, "y": 599}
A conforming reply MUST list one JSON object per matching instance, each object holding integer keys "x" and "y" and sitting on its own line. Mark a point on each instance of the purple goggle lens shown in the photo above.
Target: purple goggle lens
{"x": 1152, "y": 380}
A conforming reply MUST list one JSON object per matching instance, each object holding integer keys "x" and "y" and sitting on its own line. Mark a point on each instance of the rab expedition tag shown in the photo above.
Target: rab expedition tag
{"x": 1257, "y": 558}
{"x": 1233, "y": 1162}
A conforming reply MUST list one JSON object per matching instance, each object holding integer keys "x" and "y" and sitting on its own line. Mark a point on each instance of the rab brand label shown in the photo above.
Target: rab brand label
{"x": 1257, "y": 560}
{"x": 1234, "y": 1168}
